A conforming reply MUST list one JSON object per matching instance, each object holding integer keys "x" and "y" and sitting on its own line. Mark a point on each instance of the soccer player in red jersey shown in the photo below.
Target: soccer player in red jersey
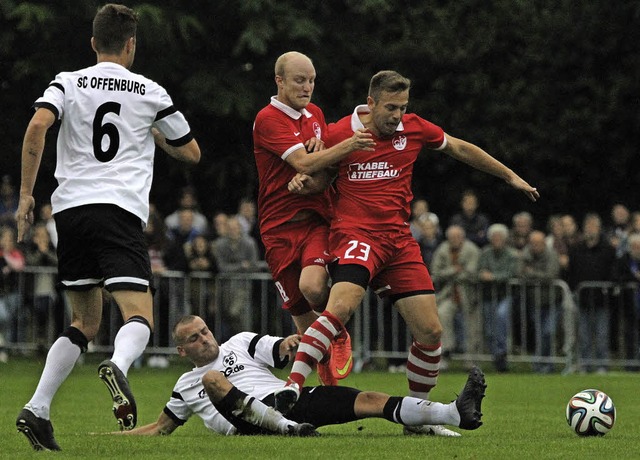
{"x": 288, "y": 138}
{"x": 370, "y": 233}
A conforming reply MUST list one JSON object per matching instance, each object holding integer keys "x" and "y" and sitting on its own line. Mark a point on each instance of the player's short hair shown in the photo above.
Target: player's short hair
{"x": 113, "y": 25}
{"x": 388, "y": 81}
{"x": 182, "y": 321}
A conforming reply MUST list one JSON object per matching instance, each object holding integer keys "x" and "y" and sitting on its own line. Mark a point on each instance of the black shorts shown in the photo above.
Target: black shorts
{"x": 102, "y": 245}
{"x": 322, "y": 405}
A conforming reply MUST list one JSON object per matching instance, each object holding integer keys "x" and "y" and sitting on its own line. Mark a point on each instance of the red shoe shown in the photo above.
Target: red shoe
{"x": 325, "y": 375}
{"x": 341, "y": 356}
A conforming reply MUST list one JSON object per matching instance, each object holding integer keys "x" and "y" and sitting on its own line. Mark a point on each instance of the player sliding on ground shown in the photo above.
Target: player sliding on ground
{"x": 239, "y": 384}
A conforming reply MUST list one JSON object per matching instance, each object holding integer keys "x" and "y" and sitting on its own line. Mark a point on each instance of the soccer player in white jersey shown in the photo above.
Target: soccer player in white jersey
{"x": 109, "y": 120}
{"x": 232, "y": 386}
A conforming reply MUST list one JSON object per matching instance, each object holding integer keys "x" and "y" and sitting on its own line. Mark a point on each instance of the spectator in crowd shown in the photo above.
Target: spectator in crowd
{"x": 627, "y": 273}
{"x": 572, "y": 235}
{"x": 428, "y": 238}
{"x": 235, "y": 253}
{"x": 592, "y": 260}
{"x": 248, "y": 217}
{"x": 539, "y": 267}
{"x": 155, "y": 234}
{"x": 219, "y": 225}
{"x": 522, "y": 225}
{"x": 201, "y": 259}
{"x": 474, "y": 222}
{"x": 618, "y": 231}
{"x": 453, "y": 270}
{"x": 200, "y": 255}
{"x": 498, "y": 263}
{"x": 188, "y": 200}
{"x": 186, "y": 230}
{"x": 8, "y": 202}
{"x": 420, "y": 210}
{"x": 12, "y": 261}
{"x": 635, "y": 222}
{"x": 46, "y": 216}
{"x": 556, "y": 241}
{"x": 41, "y": 253}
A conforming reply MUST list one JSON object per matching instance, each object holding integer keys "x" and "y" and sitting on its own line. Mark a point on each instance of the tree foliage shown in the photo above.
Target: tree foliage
{"x": 549, "y": 87}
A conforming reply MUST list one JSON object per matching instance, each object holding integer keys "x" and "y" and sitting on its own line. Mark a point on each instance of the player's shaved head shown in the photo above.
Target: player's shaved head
{"x": 287, "y": 59}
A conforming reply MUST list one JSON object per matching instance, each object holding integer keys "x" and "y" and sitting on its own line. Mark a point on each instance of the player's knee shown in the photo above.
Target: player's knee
{"x": 430, "y": 334}
{"x": 315, "y": 293}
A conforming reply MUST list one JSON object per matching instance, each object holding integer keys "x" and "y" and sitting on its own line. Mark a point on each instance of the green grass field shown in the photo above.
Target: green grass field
{"x": 523, "y": 418}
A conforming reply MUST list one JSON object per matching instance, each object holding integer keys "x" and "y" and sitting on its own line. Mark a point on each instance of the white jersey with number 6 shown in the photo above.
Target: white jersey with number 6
{"x": 105, "y": 148}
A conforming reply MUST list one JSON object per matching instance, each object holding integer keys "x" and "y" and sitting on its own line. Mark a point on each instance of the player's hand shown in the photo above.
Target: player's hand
{"x": 362, "y": 139}
{"x": 296, "y": 185}
{"x": 520, "y": 184}
{"x": 289, "y": 346}
{"x": 24, "y": 215}
{"x": 314, "y": 145}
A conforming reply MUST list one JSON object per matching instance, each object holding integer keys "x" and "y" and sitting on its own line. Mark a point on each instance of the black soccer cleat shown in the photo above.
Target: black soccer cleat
{"x": 124, "y": 405}
{"x": 303, "y": 430}
{"x": 469, "y": 401}
{"x": 38, "y": 431}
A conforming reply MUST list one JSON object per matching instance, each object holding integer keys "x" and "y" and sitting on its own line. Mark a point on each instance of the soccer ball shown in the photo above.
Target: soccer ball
{"x": 591, "y": 413}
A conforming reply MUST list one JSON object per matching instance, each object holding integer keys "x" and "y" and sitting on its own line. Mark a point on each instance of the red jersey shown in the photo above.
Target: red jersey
{"x": 277, "y": 131}
{"x": 374, "y": 188}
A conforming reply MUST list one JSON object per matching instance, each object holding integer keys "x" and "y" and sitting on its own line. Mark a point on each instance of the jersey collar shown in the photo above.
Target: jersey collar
{"x": 293, "y": 113}
{"x": 357, "y": 124}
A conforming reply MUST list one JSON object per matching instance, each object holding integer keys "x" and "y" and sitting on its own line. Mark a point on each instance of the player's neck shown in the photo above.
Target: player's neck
{"x": 115, "y": 58}
{"x": 367, "y": 121}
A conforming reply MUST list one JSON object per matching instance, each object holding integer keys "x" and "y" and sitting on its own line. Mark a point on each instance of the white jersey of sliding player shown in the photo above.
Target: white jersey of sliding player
{"x": 245, "y": 360}
{"x": 105, "y": 148}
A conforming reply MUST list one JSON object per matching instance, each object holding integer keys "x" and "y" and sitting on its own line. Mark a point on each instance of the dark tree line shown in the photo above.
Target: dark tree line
{"x": 549, "y": 87}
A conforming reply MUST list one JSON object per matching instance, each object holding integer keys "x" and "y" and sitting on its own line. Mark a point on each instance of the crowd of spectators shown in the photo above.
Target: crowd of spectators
{"x": 471, "y": 259}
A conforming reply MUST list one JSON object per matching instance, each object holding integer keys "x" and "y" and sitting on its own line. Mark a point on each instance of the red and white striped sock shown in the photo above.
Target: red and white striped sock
{"x": 313, "y": 346}
{"x": 422, "y": 368}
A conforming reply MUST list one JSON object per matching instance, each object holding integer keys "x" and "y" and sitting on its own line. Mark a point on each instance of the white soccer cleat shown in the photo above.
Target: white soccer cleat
{"x": 430, "y": 430}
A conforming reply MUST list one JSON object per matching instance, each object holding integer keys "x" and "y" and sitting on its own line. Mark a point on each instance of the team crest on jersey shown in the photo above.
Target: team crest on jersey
{"x": 317, "y": 129}
{"x": 230, "y": 359}
{"x": 399, "y": 142}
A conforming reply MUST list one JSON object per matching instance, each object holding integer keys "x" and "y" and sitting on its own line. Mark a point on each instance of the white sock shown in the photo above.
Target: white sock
{"x": 129, "y": 344}
{"x": 61, "y": 358}
{"x": 414, "y": 411}
{"x": 257, "y": 413}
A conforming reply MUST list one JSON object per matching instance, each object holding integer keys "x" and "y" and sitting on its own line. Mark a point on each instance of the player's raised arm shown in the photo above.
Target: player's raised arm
{"x": 474, "y": 156}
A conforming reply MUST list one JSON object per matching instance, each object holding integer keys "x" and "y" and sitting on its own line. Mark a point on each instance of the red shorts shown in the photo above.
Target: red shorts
{"x": 393, "y": 259}
{"x": 288, "y": 249}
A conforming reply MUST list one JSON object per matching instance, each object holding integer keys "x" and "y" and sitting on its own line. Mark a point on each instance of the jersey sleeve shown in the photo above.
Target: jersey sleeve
{"x": 177, "y": 409}
{"x": 171, "y": 122}
{"x": 275, "y": 135}
{"x": 433, "y": 135}
{"x": 53, "y": 97}
{"x": 265, "y": 349}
